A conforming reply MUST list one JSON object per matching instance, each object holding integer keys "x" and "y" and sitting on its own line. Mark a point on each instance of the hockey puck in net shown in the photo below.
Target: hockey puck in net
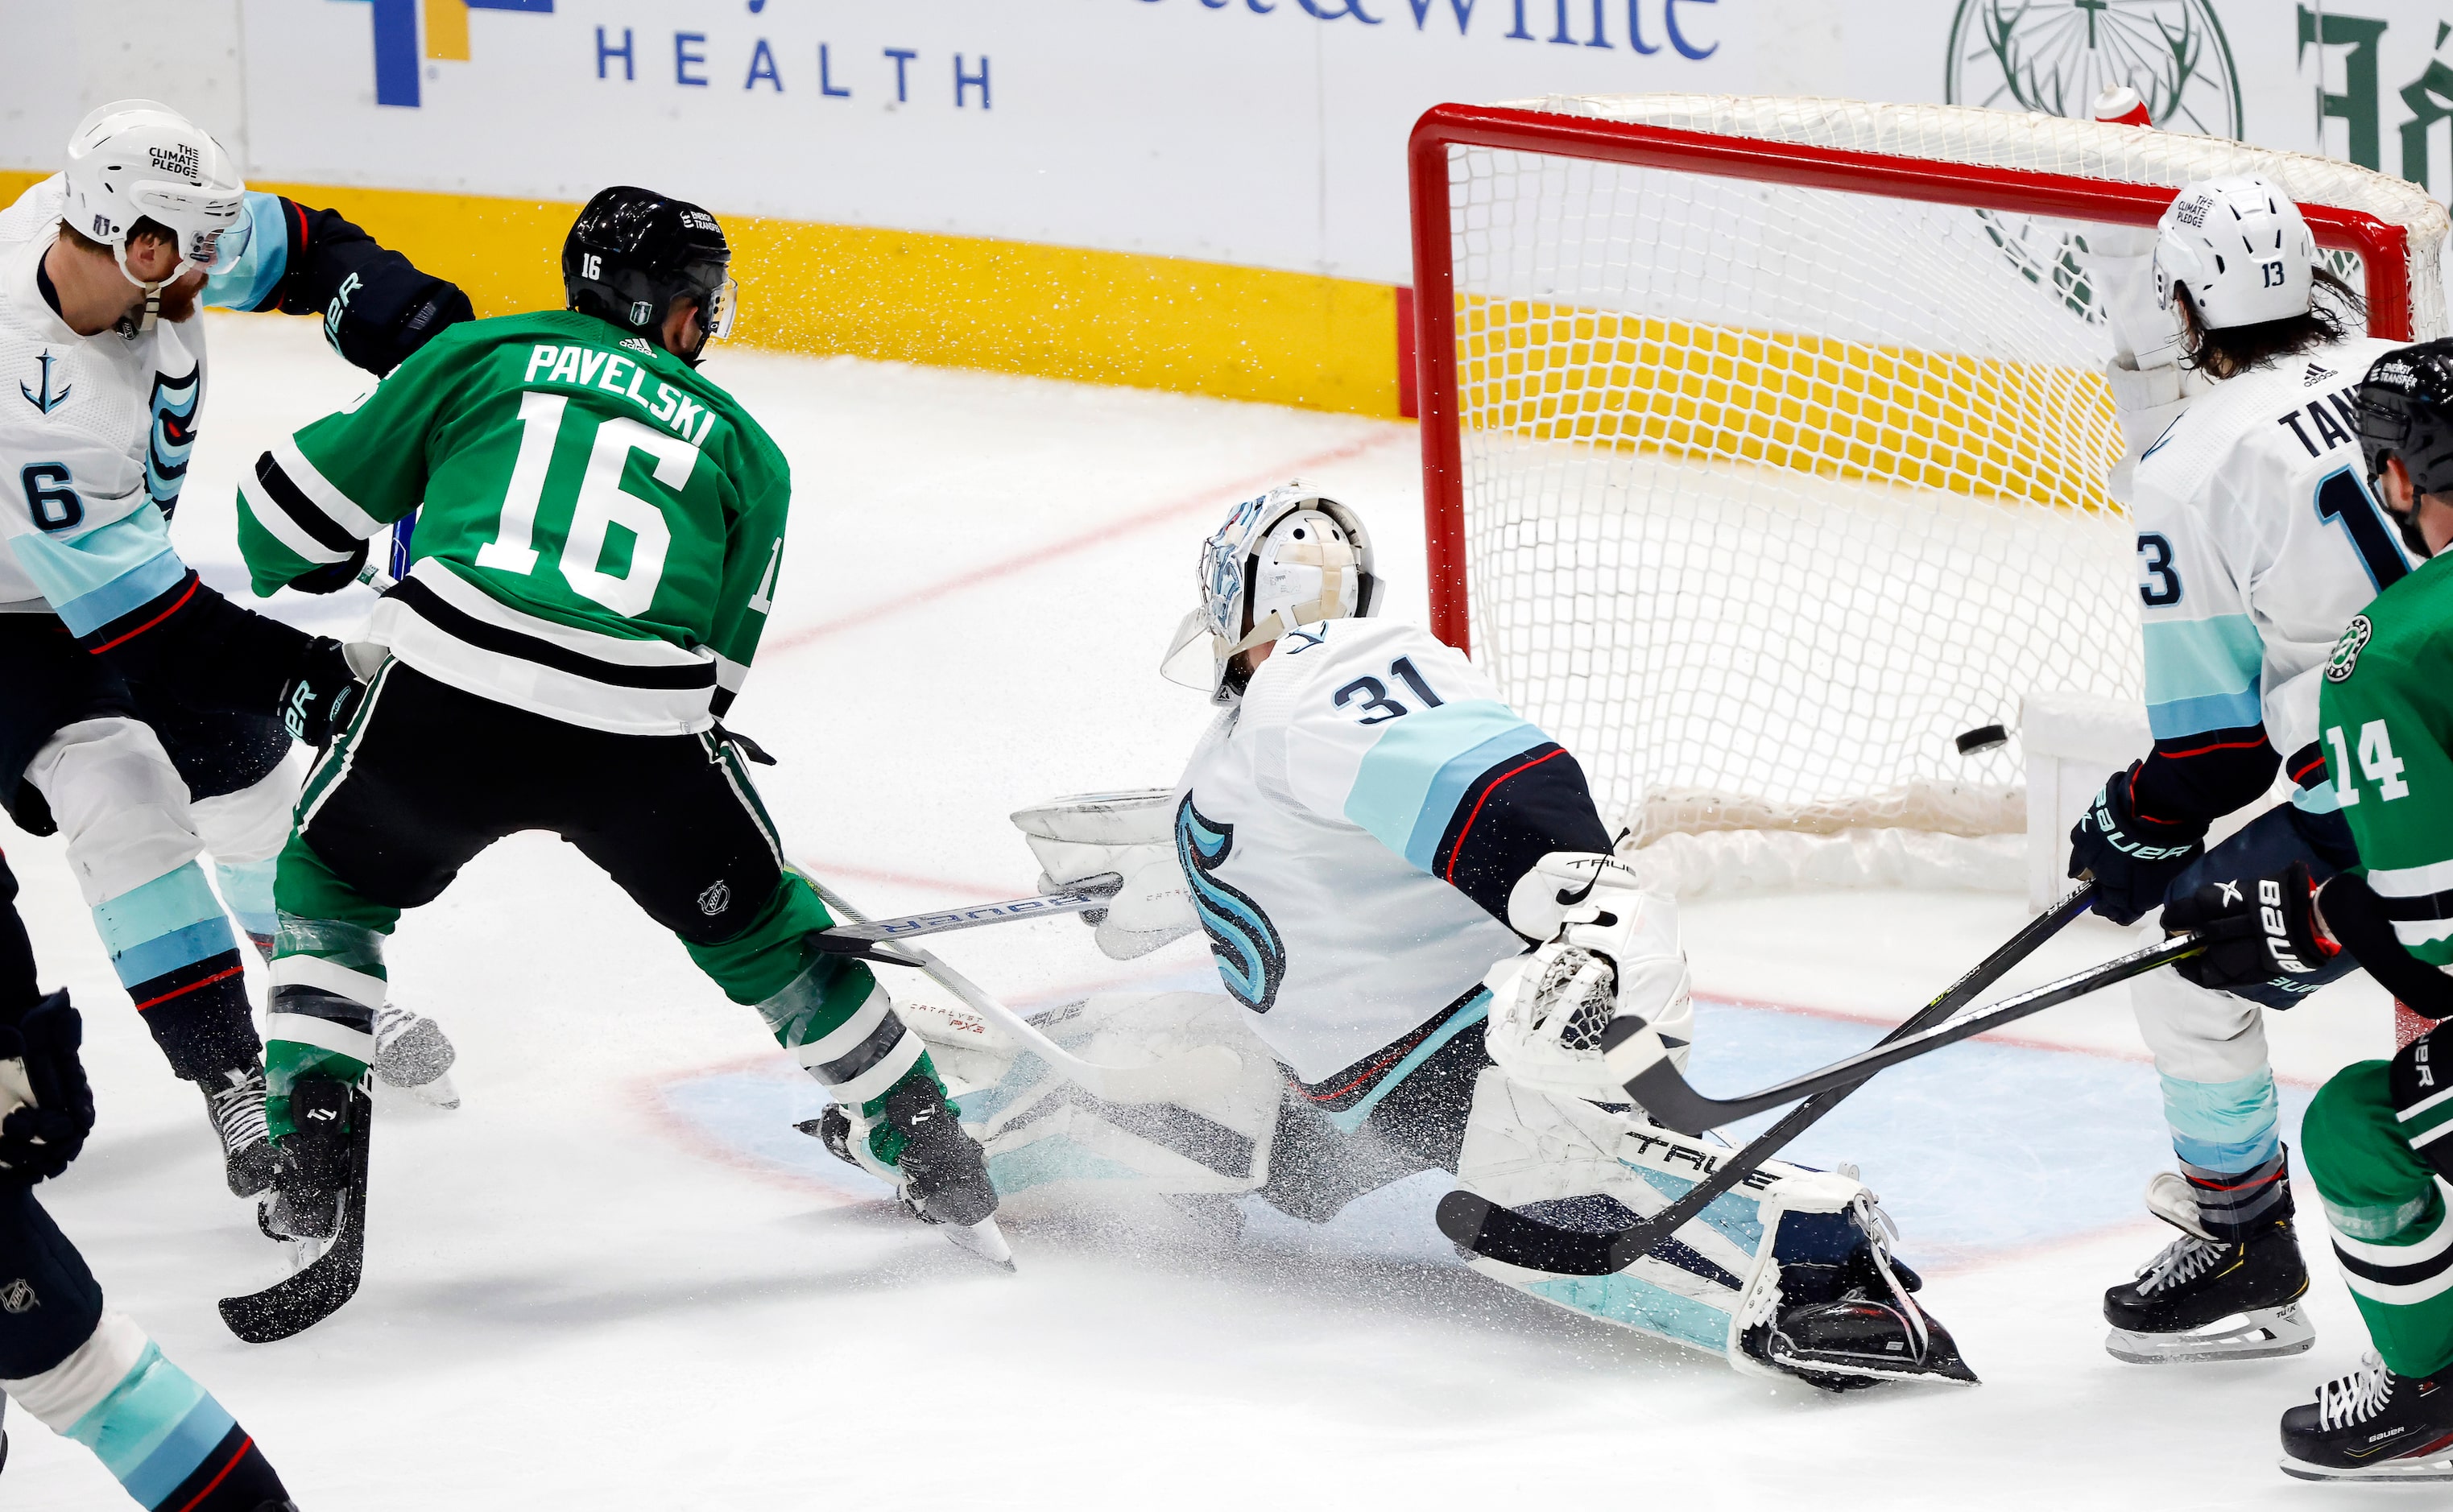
{"x": 1982, "y": 737}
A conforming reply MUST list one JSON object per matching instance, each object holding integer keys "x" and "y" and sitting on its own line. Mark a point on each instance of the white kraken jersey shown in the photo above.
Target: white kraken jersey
{"x": 2257, "y": 539}
{"x": 1309, "y": 821}
{"x": 94, "y": 437}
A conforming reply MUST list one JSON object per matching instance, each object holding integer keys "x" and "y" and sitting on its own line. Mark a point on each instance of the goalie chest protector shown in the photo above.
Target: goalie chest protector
{"x": 1305, "y": 824}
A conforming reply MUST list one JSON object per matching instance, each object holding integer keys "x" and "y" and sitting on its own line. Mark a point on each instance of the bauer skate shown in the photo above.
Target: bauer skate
{"x": 2202, "y": 1298}
{"x": 941, "y": 1179}
{"x": 2372, "y": 1425}
{"x": 236, "y": 1109}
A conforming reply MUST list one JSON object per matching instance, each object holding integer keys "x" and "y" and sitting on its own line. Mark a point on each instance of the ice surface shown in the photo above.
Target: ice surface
{"x": 616, "y": 1279}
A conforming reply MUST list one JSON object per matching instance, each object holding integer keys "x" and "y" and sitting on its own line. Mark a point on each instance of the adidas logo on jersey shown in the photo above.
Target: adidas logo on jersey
{"x": 2315, "y": 375}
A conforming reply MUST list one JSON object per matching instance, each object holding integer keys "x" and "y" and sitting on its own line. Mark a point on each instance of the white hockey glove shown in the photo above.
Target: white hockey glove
{"x": 1125, "y": 841}
{"x": 1613, "y": 958}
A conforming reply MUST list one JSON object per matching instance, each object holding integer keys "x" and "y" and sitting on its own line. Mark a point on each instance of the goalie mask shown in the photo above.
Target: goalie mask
{"x": 1289, "y": 558}
{"x": 2407, "y": 411}
{"x": 2240, "y": 248}
{"x": 134, "y": 160}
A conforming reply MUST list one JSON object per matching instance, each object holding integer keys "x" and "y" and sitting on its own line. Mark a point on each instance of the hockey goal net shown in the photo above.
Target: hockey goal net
{"x": 1766, "y": 442}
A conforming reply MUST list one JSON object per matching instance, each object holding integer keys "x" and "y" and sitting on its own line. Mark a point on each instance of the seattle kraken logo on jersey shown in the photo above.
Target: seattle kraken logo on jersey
{"x": 174, "y": 437}
{"x": 48, "y": 400}
{"x": 1251, "y": 958}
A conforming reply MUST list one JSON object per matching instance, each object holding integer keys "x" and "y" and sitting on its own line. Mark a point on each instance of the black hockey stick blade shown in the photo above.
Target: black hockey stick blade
{"x": 1664, "y": 1093}
{"x": 1515, "y": 1239}
{"x": 299, "y": 1302}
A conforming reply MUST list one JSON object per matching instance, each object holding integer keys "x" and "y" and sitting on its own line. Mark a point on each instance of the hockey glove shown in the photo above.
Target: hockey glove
{"x": 1122, "y": 844}
{"x": 2260, "y": 927}
{"x": 2418, "y": 1076}
{"x": 50, "y": 1108}
{"x": 1602, "y": 999}
{"x": 2131, "y": 857}
{"x": 321, "y": 694}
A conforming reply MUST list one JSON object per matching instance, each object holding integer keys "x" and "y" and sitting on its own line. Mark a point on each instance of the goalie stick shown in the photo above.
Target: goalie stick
{"x": 1208, "y": 1069}
{"x": 317, "y": 1290}
{"x": 1477, "y": 1223}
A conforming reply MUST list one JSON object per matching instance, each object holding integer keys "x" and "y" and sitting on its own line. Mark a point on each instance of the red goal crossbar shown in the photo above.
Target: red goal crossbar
{"x": 2383, "y": 247}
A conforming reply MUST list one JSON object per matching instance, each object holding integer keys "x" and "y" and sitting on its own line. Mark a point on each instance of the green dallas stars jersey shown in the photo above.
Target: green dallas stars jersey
{"x": 600, "y": 531}
{"x": 2385, "y": 720}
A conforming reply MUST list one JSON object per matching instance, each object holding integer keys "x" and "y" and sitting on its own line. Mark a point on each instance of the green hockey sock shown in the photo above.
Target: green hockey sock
{"x": 328, "y": 981}
{"x": 2388, "y": 1217}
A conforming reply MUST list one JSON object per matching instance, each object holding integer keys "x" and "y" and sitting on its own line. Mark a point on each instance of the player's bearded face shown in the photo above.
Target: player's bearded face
{"x": 151, "y": 257}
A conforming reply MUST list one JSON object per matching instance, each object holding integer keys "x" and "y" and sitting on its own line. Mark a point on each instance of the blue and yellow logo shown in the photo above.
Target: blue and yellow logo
{"x": 398, "y": 57}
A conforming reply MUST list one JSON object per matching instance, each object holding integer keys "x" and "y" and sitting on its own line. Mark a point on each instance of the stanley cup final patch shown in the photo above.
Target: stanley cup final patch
{"x": 2347, "y": 649}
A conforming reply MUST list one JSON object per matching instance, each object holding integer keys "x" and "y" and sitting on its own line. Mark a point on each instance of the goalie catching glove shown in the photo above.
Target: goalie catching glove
{"x": 1123, "y": 843}
{"x": 1604, "y": 996}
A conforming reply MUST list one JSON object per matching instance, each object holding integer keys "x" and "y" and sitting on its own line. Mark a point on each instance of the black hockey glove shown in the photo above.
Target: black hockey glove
{"x": 2420, "y": 1074}
{"x": 2132, "y": 857}
{"x": 321, "y": 694}
{"x": 2363, "y": 923}
{"x": 51, "y": 1112}
{"x": 333, "y": 576}
{"x": 2260, "y": 927}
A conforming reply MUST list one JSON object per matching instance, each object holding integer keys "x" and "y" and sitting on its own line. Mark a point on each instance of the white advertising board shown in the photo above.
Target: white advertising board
{"x": 1264, "y": 132}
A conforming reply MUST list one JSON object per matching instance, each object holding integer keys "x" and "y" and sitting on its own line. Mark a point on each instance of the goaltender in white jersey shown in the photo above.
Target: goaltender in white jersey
{"x": 1399, "y": 879}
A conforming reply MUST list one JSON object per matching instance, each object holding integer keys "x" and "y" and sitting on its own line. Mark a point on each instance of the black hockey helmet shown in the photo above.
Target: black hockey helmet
{"x": 632, "y": 252}
{"x": 2407, "y": 411}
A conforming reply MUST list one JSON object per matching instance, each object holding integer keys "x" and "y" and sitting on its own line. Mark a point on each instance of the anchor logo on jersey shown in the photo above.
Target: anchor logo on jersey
{"x": 1251, "y": 958}
{"x": 46, "y": 400}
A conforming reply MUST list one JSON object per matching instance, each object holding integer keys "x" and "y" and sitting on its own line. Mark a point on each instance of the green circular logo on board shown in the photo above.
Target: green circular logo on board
{"x": 2053, "y": 56}
{"x": 2347, "y": 649}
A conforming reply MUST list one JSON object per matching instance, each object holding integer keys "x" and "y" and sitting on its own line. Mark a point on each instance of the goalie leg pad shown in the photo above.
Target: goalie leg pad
{"x": 1764, "y": 1277}
{"x": 1041, "y": 1130}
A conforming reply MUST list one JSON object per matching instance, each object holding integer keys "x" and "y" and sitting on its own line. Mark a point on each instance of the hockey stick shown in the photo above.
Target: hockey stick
{"x": 318, "y": 1289}
{"x": 1665, "y": 1094}
{"x": 1208, "y": 1069}
{"x": 856, "y": 939}
{"x": 1516, "y": 1239}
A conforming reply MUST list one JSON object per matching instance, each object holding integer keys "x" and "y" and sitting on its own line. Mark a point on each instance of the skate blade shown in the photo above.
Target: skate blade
{"x": 2266, "y": 1334}
{"x": 1952, "y": 1372}
{"x": 983, "y": 1239}
{"x": 2438, "y": 1467}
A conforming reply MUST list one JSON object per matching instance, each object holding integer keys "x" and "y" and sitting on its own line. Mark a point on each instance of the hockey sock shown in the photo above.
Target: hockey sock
{"x": 175, "y": 953}
{"x": 169, "y": 1442}
{"x": 328, "y": 979}
{"x": 246, "y": 887}
{"x": 2234, "y": 1204}
{"x": 2227, "y": 1135}
{"x": 2388, "y": 1212}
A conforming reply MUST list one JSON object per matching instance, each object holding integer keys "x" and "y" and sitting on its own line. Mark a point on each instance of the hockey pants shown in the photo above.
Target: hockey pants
{"x": 2209, "y": 1046}
{"x": 140, "y": 785}
{"x": 427, "y": 776}
{"x": 2385, "y": 1204}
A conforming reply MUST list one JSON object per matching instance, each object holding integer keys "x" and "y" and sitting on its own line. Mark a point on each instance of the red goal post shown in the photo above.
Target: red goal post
{"x": 2382, "y": 247}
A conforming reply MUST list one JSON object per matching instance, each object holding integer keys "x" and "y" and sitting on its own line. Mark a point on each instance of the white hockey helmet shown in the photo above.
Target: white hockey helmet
{"x": 2240, "y": 248}
{"x": 134, "y": 160}
{"x": 1292, "y": 557}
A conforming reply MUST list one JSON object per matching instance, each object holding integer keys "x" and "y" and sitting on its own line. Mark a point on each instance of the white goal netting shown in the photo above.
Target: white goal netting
{"x": 1771, "y": 491}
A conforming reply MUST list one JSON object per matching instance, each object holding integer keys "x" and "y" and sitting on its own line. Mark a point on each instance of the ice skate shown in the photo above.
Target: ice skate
{"x": 311, "y": 1164}
{"x": 236, "y": 1110}
{"x": 2372, "y": 1425}
{"x": 1858, "y": 1324}
{"x": 2206, "y": 1298}
{"x": 414, "y": 1056}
